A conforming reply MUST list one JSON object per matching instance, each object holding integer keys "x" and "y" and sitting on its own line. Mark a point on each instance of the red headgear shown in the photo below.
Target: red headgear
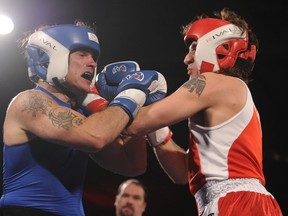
{"x": 219, "y": 44}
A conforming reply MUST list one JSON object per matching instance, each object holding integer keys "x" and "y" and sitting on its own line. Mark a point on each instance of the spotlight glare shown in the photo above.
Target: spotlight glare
{"x": 6, "y": 25}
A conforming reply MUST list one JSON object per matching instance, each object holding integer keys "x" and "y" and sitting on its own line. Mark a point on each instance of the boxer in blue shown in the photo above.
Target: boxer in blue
{"x": 49, "y": 134}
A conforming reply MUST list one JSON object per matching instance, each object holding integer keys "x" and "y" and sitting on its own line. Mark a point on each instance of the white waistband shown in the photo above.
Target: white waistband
{"x": 215, "y": 189}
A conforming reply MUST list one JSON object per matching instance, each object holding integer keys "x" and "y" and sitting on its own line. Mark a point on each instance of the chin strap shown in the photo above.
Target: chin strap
{"x": 63, "y": 88}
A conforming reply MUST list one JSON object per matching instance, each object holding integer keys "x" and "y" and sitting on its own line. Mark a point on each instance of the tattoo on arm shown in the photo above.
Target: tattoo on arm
{"x": 64, "y": 118}
{"x": 197, "y": 83}
{"x": 36, "y": 104}
{"x": 61, "y": 117}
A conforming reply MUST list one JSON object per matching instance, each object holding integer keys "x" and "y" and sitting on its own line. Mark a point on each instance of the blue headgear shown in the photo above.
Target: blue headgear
{"x": 48, "y": 50}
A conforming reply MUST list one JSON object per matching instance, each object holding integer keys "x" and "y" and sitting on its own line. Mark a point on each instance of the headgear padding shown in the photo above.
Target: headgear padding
{"x": 219, "y": 43}
{"x": 48, "y": 50}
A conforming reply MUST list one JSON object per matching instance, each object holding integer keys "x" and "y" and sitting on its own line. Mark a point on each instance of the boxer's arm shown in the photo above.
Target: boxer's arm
{"x": 174, "y": 161}
{"x": 35, "y": 114}
{"x": 126, "y": 156}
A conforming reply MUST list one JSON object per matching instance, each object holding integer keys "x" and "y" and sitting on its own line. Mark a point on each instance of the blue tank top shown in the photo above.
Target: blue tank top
{"x": 44, "y": 175}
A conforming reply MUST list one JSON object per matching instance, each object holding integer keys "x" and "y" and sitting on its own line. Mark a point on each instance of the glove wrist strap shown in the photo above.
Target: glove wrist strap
{"x": 130, "y": 101}
{"x": 159, "y": 137}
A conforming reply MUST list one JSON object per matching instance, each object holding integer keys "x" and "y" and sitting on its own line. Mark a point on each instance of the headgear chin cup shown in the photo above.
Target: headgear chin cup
{"x": 48, "y": 50}
{"x": 219, "y": 43}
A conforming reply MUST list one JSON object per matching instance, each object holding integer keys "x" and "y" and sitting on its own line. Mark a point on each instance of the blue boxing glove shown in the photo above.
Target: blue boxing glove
{"x": 112, "y": 74}
{"x": 133, "y": 90}
{"x": 157, "y": 91}
{"x": 109, "y": 78}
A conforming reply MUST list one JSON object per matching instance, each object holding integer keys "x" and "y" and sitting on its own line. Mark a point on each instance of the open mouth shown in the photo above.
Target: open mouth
{"x": 88, "y": 76}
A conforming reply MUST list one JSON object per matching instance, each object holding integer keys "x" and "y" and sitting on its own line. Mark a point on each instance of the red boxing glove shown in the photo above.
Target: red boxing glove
{"x": 159, "y": 137}
{"x": 93, "y": 102}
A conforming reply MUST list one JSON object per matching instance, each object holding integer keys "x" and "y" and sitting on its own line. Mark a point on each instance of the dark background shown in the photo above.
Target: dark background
{"x": 147, "y": 31}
